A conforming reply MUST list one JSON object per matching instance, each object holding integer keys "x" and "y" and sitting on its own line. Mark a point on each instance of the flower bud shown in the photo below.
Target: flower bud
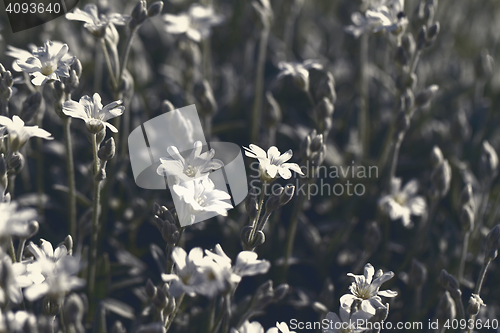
{"x": 139, "y": 13}
{"x": 190, "y": 52}
{"x": 475, "y": 303}
{"x": 432, "y": 34}
{"x": 205, "y": 96}
{"x": 493, "y": 239}
{"x": 280, "y": 292}
{"x": 58, "y": 90}
{"x": 467, "y": 218}
{"x": 74, "y": 309}
{"x": 400, "y": 57}
{"x": 441, "y": 178}
{"x": 263, "y": 295}
{"x": 484, "y": 65}
{"x": 252, "y": 203}
{"x": 372, "y": 237}
{"x": 324, "y": 108}
{"x": 426, "y": 95}
{"x": 77, "y": 67}
{"x": 272, "y": 114}
{"x": 150, "y": 289}
{"x": 160, "y": 299}
{"x": 245, "y": 236}
{"x": 15, "y": 163}
{"x": 118, "y": 327}
{"x": 326, "y": 88}
{"x": 107, "y": 151}
{"x": 72, "y": 82}
{"x": 259, "y": 238}
{"x": 422, "y": 37}
{"x": 31, "y": 106}
{"x": 381, "y": 313}
{"x": 301, "y": 80}
{"x": 408, "y": 44}
{"x": 155, "y": 8}
{"x": 436, "y": 156}
{"x": 287, "y": 195}
{"x": 466, "y": 196}
{"x": 488, "y": 164}
{"x": 418, "y": 273}
{"x": 460, "y": 127}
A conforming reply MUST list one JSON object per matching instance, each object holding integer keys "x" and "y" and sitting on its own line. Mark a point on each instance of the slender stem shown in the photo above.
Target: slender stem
{"x": 219, "y": 318}
{"x": 259, "y": 85}
{"x": 126, "y": 54}
{"x": 414, "y": 64}
{"x": 255, "y": 222}
{"x": 39, "y": 168}
{"x": 463, "y": 257}
{"x": 95, "y": 220}
{"x": 227, "y": 313}
{"x": 395, "y": 157}
{"x": 363, "y": 117}
{"x": 108, "y": 63}
{"x": 12, "y": 252}
{"x": 20, "y": 249}
{"x": 477, "y": 291}
{"x": 71, "y": 177}
{"x": 461, "y": 310}
{"x": 292, "y": 229}
{"x": 172, "y": 316}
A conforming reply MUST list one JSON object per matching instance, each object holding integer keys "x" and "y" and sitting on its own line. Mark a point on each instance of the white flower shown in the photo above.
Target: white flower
{"x": 384, "y": 15}
{"x": 93, "y": 113}
{"x": 402, "y": 203}
{"x": 346, "y": 323}
{"x": 248, "y": 327}
{"x": 298, "y": 71}
{"x": 13, "y": 279}
{"x": 58, "y": 270}
{"x": 246, "y": 264}
{"x": 96, "y": 24}
{"x": 197, "y": 165}
{"x": 280, "y": 328}
{"x": 14, "y": 222}
{"x": 16, "y": 321}
{"x": 196, "y": 24}
{"x": 19, "y": 134}
{"x": 195, "y": 274}
{"x": 367, "y": 291}
{"x": 48, "y": 63}
{"x": 272, "y": 163}
{"x": 199, "y": 197}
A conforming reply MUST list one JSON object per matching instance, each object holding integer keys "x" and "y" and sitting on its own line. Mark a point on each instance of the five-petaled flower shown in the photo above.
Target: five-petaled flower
{"x": 199, "y": 197}
{"x": 366, "y": 290}
{"x": 19, "y": 134}
{"x": 196, "y": 24}
{"x": 402, "y": 203}
{"x": 197, "y": 165}
{"x": 96, "y": 24}
{"x": 273, "y": 163}
{"x": 47, "y": 63}
{"x": 93, "y": 113}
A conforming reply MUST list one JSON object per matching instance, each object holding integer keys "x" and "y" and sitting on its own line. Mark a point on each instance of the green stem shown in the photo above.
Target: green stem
{"x": 259, "y": 85}
{"x": 12, "y": 252}
{"x": 363, "y": 117}
{"x": 95, "y": 220}
{"x": 71, "y": 177}
{"x": 255, "y": 222}
{"x": 292, "y": 230}
{"x": 126, "y": 54}
{"x": 20, "y": 249}
{"x": 477, "y": 291}
{"x": 463, "y": 257}
{"x": 108, "y": 63}
{"x": 395, "y": 157}
{"x": 172, "y": 316}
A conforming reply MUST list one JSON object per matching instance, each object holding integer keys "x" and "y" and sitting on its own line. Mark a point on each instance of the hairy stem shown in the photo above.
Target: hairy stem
{"x": 71, "y": 177}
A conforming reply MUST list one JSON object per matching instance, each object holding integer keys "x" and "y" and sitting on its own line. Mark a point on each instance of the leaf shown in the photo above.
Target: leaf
{"x": 118, "y": 307}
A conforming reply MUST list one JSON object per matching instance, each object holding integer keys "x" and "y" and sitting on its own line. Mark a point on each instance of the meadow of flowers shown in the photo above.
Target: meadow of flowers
{"x": 369, "y": 133}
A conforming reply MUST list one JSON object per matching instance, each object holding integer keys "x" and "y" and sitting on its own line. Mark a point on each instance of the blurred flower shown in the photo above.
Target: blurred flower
{"x": 280, "y": 328}
{"x": 273, "y": 162}
{"x": 14, "y": 222}
{"x": 19, "y": 134}
{"x": 384, "y": 15}
{"x": 196, "y": 24}
{"x": 475, "y": 304}
{"x": 48, "y": 63}
{"x": 246, "y": 264}
{"x": 13, "y": 279}
{"x": 96, "y": 24}
{"x": 198, "y": 197}
{"x": 93, "y": 113}
{"x": 367, "y": 291}
{"x": 248, "y": 327}
{"x": 197, "y": 165}
{"x": 346, "y": 322}
{"x": 195, "y": 274}
{"x": 58, "y": 270}
{"x": 15, "y": 322}
{"x": 298, "y": 71}
{"x": 402, "y": 203}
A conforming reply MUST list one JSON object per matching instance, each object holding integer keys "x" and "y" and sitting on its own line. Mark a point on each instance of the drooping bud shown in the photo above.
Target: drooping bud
{"x": 15, "y": 163}
{"x": 77, "y": 67}
{"x": 426, "y": 95}
{"x": 155, "y": 8}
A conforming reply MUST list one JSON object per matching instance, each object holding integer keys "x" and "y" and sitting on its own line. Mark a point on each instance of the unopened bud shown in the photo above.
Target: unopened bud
{"x": 436, "y": 156}
{"x": 272, "y": 115}
{"x": 160, "y": 299}
{"x": 441, "y": 178}
{"x": 107, "y": 151}
{"x": 77, "y": 67}
{"x": 466, "y": 196}
{"x": 155, "y": 8}
{"x": 484, "y": 65}
{"x": 400, "y": 57}
{"x": 73, "y": 309}
{"x": 488, "y": 164}
{"x": 408, "y": 44}
{"x": 418, "y": 273}
{"x": 319, "y": 307}
{"x": 493, "y": 240}
{"x": 15, "y": 163}
{"x": 467, "y": 218}
{"x": 259, "y": 238}
{"x": 422, "y": 37}
{"x": 152, "y": 328}
{"x": 139, "y": 13}
{"x": 150, "y": 289}
{"x": 263, "y": 295}
{"x": 72, "y": 82}
{"x": 426, "y": 95}
{"x": 381, "y": 314}
{"x": 432, "y": 34}
{"x": 326, "y": 88}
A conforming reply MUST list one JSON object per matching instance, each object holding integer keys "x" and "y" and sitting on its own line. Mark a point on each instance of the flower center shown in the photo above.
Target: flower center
{"x": 190, "y": 171}
{"x": 400, "y": 199}
{"x": 201, "y": 200}
{"x": 47, "y": 69}
{"x": 363, "y": 291}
